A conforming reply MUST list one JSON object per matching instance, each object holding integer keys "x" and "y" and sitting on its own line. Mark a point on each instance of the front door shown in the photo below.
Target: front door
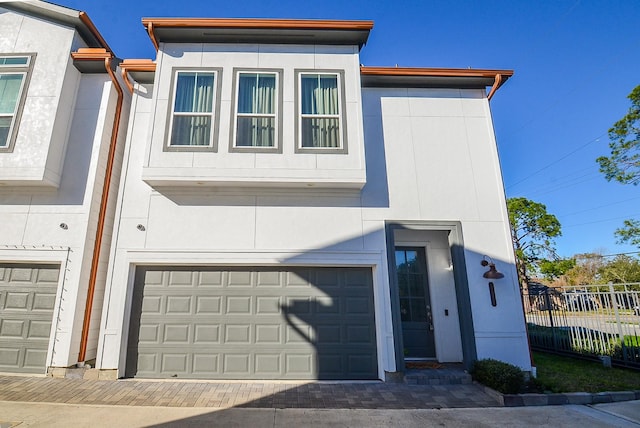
{"x": 415, "y": 304}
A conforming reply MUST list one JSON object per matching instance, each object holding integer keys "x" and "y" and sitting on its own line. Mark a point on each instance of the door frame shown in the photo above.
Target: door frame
{"x": 456, "y": 246}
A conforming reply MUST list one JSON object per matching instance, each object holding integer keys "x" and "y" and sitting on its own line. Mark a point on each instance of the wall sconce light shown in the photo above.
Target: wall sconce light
{"x": 492, "y": 273}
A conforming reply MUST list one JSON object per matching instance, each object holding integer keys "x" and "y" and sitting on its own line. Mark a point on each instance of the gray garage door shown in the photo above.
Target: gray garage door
{"x": 27, "y": 299}
{"x": 219, "y": 323}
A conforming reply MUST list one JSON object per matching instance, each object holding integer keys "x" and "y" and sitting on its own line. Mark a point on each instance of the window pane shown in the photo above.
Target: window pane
{"x": 194, "y": 93}
{"x": 191, "y": 131}
{"x": 15, "y": 60}
{"x": 401, "y": 259}
{"x": 5, "y": 125}
{"x": 9, "y": 92}
{"x": 256, "y": 93}
{"x": 321, "y": 132}
{"x": 319, "y": 94}
{"x": 255, "y": 132}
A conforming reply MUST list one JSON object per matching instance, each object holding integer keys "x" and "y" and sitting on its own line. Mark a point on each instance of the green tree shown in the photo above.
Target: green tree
{"x": 554, "y": 269}
{"x": 621, "y": 269}
{"x": 532, "y": 231}
{"x": 629, "y": 233}
{"x": 623, "y": 164}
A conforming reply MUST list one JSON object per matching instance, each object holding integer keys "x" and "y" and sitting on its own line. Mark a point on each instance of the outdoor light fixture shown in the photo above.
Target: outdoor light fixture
{"x": 492, "y": 273}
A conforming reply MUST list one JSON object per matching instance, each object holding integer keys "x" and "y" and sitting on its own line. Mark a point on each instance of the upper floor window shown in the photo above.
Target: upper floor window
{"x": 256, "y": 110}
{"x": 14, "y": 73}
{"x": 320, "y": 122}
{"x": 193, "y": 110}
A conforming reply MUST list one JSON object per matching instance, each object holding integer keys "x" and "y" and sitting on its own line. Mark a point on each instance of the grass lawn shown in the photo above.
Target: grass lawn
{"x": 563, "y": 374}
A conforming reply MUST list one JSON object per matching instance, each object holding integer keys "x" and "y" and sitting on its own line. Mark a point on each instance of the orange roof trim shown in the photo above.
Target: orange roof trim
{"x": 493, "y": 78}
{"x": 241, "y": 23}
{"x": 136, "y": 65}
{"x": 435, "y": 72}
{"x": 254, "y": 30}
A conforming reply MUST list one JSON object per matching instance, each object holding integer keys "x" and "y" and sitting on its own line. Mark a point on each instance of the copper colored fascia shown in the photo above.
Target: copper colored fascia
{"x": 265, "y": 24}
{"x": 499, "y": 76}
{"x": 92, "y": 28}
{"x": 99, "y": 54}
{"x": 129, "y": 65}
{"x": 91, "y": 54}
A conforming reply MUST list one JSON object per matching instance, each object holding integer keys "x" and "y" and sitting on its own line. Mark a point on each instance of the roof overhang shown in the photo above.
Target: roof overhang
{"x": 409, "y": 77}
{"x": 93, "y": 60}
{"x": 61, "y": 15}
{"x": 274, "y": 31}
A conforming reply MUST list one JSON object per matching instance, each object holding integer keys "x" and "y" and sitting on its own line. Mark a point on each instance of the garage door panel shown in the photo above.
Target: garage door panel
{"x": 27, "y": 300}
{"x": 259, "y": 323}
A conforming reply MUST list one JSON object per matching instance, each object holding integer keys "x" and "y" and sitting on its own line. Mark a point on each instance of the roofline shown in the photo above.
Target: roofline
{"x": 141, "y": 70}
{"x": 434, "y": 77}
{"x": 359, "y": 28}
{"x": 63, "y": 15}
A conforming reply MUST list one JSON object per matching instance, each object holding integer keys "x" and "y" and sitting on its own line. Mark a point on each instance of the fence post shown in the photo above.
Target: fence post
{"x": 547, "y": 303}
{"x": 614, "y": 304}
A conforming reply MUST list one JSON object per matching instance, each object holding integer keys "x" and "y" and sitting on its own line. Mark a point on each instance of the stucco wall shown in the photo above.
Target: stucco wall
{"x": 38, "y": 154}
{"x": 430, "y": 155}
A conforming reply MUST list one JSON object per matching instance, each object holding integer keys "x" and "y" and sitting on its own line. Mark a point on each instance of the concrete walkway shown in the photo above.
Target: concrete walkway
{"x": 49, "y": 402}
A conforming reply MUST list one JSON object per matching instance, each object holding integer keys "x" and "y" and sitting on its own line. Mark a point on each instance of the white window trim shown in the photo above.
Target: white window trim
{"x": 214, "y": 114}
{"x": 277, "y": 147}
{"x": 25, "y": 71}
{"x": 342, "y": 148}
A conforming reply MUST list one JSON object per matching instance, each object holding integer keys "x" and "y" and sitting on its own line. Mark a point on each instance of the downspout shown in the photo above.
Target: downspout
{"x": 496, "y": 84}
{"x": 108, "y": 57}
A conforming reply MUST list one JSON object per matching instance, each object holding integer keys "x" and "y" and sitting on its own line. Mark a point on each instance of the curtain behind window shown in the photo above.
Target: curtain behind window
{"x": 9, "y": 94}
{"x": 256, "y": 110}
{"x": 194, "y": 94}
{"x": 320, "y": 98}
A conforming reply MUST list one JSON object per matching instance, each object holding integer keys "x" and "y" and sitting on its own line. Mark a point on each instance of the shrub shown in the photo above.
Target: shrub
{"x": 498, "y": 375}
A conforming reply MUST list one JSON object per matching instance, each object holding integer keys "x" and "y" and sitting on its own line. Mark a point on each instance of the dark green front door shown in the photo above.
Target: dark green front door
{"x": 415, "y": 304}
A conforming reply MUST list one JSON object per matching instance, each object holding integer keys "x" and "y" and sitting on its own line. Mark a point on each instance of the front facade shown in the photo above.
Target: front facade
{"x": 285, "y": 213}
{"x": 251, "y": 204}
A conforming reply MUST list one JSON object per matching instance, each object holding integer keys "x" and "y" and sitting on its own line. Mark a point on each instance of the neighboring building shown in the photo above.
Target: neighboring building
{"x": 58, "y": 109}
{"x": 285, "y": 213}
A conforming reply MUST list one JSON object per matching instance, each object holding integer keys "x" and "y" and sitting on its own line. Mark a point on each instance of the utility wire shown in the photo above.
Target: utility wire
{"x": 556, "y": 161}
{"x": 598, "y": 207}
{"x": 601, "y": 221}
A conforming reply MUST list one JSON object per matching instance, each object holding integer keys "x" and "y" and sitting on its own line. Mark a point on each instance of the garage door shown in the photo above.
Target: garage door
{"x": 213, "y": 323}
{"x": 27, "y": 299}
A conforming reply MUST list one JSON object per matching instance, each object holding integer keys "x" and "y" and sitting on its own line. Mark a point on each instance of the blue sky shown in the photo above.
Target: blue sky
{"x": 575, "y": 63}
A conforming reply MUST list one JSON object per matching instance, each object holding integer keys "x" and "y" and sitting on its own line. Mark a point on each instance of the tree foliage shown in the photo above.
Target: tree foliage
{"x": 622, "y": 269}
{"x": 553, "y": 269}
{"x": 594, "y": 269}
{"x": 533, "y": 230}
{"x": 623, "y": 164}
{"x": 629, "y": 233}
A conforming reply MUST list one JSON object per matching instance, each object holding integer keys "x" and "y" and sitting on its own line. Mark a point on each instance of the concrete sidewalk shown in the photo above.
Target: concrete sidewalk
{"x": 19, "y": 414}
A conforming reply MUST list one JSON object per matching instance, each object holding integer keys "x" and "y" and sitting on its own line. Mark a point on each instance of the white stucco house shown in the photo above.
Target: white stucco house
{"x": 286, "y": 213}
{"x": 253, "y": 203}
{"x": 60, "y": 105}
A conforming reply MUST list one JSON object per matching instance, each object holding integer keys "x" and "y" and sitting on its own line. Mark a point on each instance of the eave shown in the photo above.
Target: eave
{"x": 272, "y": 31}
{"x": 413, "y": 77}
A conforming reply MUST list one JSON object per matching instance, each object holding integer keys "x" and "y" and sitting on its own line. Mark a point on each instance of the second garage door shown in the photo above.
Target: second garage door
{"x": 287, "y": 323}
{"x": 27, "y": 298}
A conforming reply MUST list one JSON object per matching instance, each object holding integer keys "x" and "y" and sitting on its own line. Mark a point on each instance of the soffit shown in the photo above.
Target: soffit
{"x": 408, "y": 77}
{"x": 271, "y": 31}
